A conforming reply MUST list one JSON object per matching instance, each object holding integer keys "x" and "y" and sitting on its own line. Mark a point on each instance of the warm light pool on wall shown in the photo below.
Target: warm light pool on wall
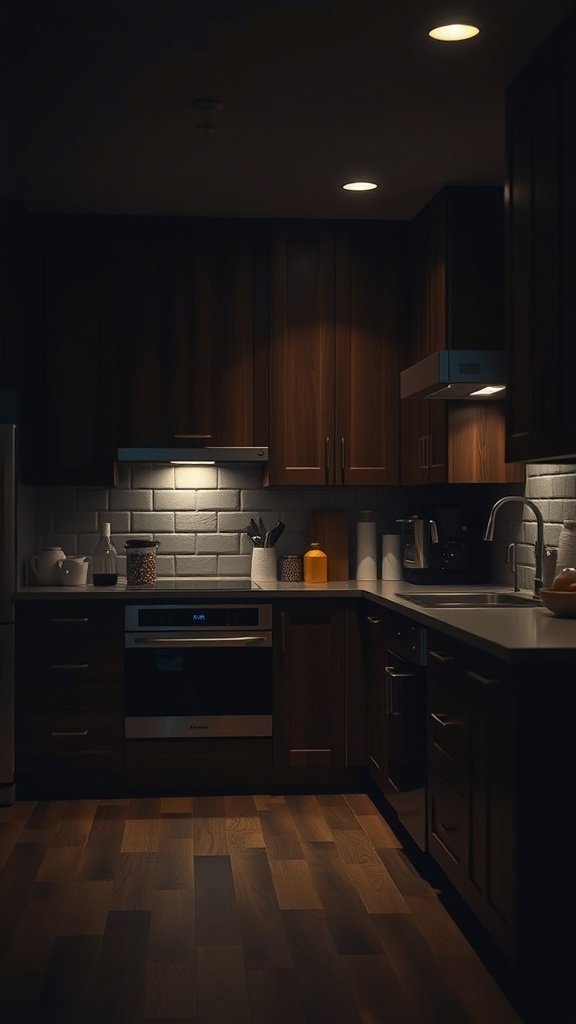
{"x": 453, "y": 33}
{"x": 360, "y": 186}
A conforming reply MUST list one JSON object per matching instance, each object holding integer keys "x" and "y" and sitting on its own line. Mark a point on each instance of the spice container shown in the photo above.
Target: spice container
{"x": 291, "y": 569}
{"x": 141, "y": 562}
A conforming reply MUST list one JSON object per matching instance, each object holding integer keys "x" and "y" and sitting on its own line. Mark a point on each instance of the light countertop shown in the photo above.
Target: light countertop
{"x": 510, "y": 633}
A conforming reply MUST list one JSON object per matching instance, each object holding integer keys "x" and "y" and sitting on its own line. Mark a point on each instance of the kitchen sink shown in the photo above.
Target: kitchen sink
{"x": 486, "y": 600}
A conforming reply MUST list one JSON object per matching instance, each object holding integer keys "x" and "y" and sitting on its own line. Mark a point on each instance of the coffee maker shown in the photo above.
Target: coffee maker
{"x": 442, "y": 544}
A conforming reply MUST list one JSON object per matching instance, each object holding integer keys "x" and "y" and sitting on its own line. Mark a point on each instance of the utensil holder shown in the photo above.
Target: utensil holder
{"x": 263, "y": 568}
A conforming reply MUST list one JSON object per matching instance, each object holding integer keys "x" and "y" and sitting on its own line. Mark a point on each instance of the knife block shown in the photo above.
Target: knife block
{"x": 330, "y": 529}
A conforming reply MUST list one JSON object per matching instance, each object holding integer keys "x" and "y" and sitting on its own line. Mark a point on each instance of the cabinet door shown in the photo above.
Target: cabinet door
{"x": 310, "y": 691}
{"x": 68, "y": 403}
{"x": 541, "y": 216}
{"x": 302, "y": 440}
{"x": 374, "y": 648}
{"x": 14, "y": 285}
{"x": 369, "y": 262}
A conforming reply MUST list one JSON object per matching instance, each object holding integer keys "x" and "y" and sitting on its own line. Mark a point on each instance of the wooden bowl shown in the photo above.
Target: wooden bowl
{"x": 560, "y": 602}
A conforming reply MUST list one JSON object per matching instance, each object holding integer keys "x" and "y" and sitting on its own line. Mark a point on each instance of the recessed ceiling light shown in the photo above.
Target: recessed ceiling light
{"x": 453, "y": 33}
{"x": 360, "y": 186}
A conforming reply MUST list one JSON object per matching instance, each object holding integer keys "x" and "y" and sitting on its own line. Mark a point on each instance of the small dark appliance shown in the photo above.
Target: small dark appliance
{"x": 443, "y": 544}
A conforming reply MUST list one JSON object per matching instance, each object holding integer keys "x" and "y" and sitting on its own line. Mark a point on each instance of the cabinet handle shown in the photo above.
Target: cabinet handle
{"x": 421, "y": 454}
{"x": 69, "y": 620}
{"x": 444, "y": 722}
{"x": 342, "y": 457}
{"x": 282, "y": 632}
{"x": 443, "y": 658}
{"x": 482, "y": 679}
{"x": 373, "y": 619}
{"x": 193, "y": 437}
{"x": 375, "y": 763}
{"x": 426, "y": 440}
{"x": 82, "y": 732}
{"x": 399, "y": 675}
{"x": 69, "y": 667}
{"x": 448, "y": 828}
{"x": 326, "y": 458}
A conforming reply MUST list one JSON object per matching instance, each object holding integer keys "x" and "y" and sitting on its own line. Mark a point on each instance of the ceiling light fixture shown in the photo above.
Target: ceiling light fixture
{"x": 453, "y": 33}
{"x": 360, "y": 186}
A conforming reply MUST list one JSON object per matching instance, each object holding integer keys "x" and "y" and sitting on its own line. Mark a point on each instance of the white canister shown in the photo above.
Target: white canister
{"x": 366, "y": 547}
{"x": 73, "y": 572}
{"x": 567, "y": 546}
{"x": 391, "y": 560}
{"x": 264, "y": 568}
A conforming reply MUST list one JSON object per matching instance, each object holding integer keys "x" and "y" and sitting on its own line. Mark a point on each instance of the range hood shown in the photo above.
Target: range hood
{"x": 209, "y": 456}
{"x": 456, "y": 373}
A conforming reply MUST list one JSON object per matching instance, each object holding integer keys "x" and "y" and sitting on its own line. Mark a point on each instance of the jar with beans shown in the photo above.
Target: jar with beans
{"x": 141, "y": 562}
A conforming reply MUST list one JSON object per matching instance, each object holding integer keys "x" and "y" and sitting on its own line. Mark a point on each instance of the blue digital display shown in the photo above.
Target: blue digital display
{"x": 199, "y": 617}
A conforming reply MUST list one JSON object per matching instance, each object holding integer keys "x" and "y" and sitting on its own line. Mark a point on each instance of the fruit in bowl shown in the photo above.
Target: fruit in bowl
{"x": 561, "y": 600}
{"x": 565, "y": 580}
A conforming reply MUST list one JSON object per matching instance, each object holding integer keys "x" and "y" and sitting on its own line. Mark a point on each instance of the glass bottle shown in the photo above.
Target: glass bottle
{"x": 105, "y": 560}
{"x": 315, "y": 564}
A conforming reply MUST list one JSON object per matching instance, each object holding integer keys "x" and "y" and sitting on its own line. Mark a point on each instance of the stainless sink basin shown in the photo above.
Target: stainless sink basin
{"x": 485, "y": 600}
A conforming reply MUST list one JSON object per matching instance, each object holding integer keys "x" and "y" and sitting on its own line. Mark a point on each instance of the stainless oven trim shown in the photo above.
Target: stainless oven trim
{"x": 168, "y": 727}
{"x": 131, "y": 613}
{"x": 173, "y": 641}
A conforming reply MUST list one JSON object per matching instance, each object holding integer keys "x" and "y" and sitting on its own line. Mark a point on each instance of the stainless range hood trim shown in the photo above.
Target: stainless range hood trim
{"x": 455, "y": 374}
{"x": 194, "y": 456}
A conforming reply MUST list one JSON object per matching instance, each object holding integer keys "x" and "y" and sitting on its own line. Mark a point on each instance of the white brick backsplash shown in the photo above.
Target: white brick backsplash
{"x": 73, "y": 522}
{"x": 196, "y": 565}
{"x": 178, "y": 543}
{"x": 165, "y": 565}
{"x": 218, "y": 543}
{"x": 193, "y": 477}
{"x": 96, "y": 500}
{"x": 132, "y": 501}
{"x": 234, "y": 565}
{"x": 218, "y": 499}
{"x": 257, "y": 501}
{"x": 161, "y": 477}
{"x": 154, "y": 522}
{"x": 200, "y": 513}
{"x": 196, "y": 522}
{"x": 176, "y": 501}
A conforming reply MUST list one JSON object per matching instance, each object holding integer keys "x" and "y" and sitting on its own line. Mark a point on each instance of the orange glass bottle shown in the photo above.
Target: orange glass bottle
{"x": 315, "y": 565}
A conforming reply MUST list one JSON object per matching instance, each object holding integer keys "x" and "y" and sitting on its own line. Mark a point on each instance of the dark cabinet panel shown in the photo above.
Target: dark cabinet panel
{"x": 541, "y": 225}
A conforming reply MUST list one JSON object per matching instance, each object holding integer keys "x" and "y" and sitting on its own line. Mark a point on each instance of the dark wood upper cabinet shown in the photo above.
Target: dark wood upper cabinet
{"x": 455, "y": 301}
{"x": 145, "y": 332}
{"x": 541, "y": 231}
{"x": 334, "y": 353}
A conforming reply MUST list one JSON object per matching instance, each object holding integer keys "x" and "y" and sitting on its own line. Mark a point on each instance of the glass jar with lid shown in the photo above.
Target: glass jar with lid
{"x": 141, "y": 562}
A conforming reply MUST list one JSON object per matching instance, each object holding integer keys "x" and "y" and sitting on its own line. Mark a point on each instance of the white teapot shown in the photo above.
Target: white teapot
{"x": 44, "y": 567}
{"x": 73, "y": 572}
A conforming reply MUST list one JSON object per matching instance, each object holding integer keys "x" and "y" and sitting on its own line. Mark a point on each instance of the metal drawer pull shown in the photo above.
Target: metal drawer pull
{"x": 190, "y": 437}
{"x": 448, "y": 828}
{"x": 69, "y": 620}
{"x": 59, "y": 668}
{"x": 441, "y": 657}
{"x": 398, "y": 675}
{"x": 373, "y": 619}
{"x": 442, "y": 721}
{"x": 482, "y": 679}
{"x": 83, "y": 732}
{"x": 179, "y": 641}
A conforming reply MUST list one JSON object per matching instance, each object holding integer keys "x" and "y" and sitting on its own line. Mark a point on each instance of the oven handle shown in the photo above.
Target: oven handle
{"x": 200, "y": 641}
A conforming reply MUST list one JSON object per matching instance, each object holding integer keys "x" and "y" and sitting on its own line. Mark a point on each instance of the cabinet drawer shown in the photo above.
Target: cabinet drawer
{"x": 448, "y": 828}
{"x": 70, "y": 738}
{"x": 79, "y": 619}
{"x": 443, "y": 657}
{"x": 449, "y": 734}
{"x": 78, "y": 672}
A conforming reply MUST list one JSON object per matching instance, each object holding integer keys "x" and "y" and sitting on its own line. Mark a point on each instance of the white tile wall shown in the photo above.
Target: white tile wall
{"x": 199, "y": 515}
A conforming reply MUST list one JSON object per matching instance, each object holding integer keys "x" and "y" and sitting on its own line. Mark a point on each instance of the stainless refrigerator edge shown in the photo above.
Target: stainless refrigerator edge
{"x": 7, "y": 587}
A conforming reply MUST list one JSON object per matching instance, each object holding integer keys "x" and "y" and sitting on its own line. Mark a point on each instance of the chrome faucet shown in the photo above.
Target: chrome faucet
{"x": 539, "y": 545}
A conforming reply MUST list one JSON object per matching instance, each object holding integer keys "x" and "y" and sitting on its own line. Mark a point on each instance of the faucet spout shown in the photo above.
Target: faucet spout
{"x": 539, "y": 545}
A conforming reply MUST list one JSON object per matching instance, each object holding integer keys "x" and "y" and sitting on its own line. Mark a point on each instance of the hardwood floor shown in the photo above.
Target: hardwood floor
{"x": 226, "y": 910}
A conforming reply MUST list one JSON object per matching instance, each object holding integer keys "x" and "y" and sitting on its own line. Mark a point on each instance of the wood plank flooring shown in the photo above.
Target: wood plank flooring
{"x": 226, "y": 910}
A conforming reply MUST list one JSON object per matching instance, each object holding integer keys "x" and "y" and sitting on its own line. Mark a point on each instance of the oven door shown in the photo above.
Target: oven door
{"x": 198, "y": 685}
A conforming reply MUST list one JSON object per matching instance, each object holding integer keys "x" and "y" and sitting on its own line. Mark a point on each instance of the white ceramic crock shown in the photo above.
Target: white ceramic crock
{"x": 44, "y": 570}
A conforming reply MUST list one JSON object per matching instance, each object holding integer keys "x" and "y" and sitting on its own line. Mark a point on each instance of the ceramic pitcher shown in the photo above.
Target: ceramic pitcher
{"x": 44, "y": 567}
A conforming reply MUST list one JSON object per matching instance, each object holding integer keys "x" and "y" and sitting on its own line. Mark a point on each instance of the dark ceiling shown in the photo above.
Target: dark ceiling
{"x": 98, "y": 103}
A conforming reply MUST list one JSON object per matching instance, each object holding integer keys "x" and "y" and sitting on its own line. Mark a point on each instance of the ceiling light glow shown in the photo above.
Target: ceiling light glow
{"x": 453, "y": 33}
{"x": 360, "y": 186}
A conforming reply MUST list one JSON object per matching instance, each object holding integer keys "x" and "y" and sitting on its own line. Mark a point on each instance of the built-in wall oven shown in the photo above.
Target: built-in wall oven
{"x": 197, "y": 670}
